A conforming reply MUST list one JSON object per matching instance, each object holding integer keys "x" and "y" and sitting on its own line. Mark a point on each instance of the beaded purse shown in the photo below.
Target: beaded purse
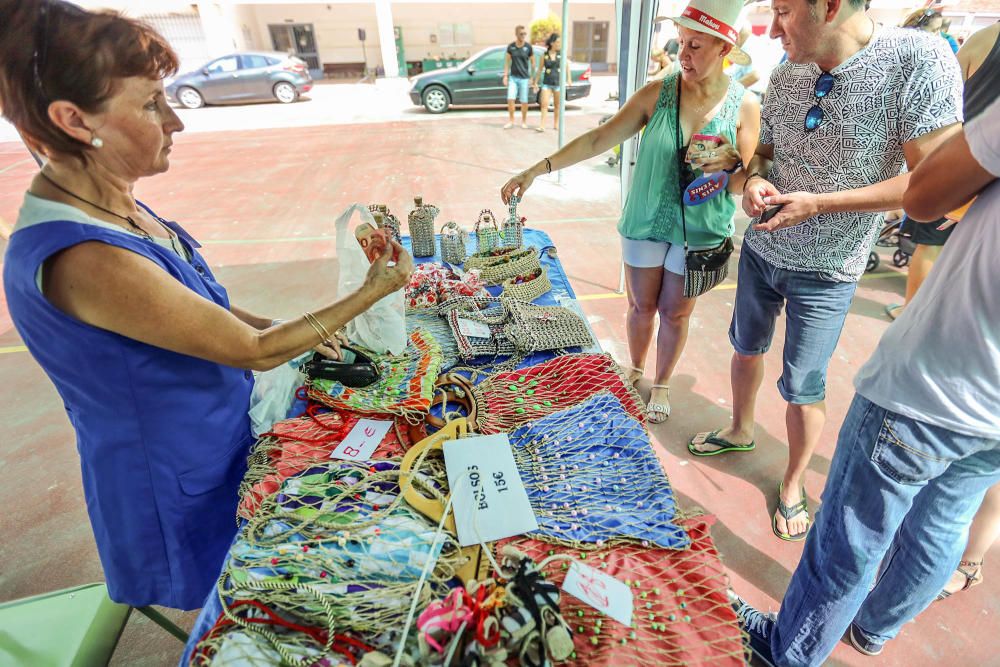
{"x": 477, "y": 325}
{"x": 453, "y": 240}
{"x": 487, "y": 233}
{"x": 421, "y": 224}
{"x": 513, "y": 226}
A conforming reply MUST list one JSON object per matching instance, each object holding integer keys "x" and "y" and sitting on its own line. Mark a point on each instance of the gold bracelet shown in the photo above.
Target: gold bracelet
{"x": 317, "y": 326}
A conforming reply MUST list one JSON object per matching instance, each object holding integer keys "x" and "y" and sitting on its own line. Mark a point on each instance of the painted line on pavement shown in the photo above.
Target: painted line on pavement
{"x": 13, "y": 348}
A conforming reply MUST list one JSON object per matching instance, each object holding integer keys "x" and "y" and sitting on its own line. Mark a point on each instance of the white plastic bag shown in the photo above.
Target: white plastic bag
{"x": 382, "y": 328}
{"x": 274, "y": 392}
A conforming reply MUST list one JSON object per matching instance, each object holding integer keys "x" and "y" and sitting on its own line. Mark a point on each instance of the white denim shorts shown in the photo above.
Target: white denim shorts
{"x": 653, "y": 254}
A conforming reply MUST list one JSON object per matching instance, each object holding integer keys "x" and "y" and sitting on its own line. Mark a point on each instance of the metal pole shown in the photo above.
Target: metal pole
{"x": 563, "y": 72}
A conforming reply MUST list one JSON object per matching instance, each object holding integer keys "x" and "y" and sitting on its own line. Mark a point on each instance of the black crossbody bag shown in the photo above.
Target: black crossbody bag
{"x": 703, "y": 269}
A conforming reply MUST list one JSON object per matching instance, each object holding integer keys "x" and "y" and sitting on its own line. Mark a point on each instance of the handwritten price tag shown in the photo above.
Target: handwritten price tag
{"x": 361, "y": 442}
{"x": 601, "y": 591}
{"x": 473, "y": 329}
{"x": 489, "y": 497}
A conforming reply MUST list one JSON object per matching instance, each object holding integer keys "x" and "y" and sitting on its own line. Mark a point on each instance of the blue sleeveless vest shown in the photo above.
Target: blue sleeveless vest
{"x": 163, "y": 437}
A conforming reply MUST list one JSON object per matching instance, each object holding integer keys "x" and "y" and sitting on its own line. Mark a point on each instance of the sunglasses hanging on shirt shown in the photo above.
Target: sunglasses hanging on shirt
{"x": 815, "y": 115}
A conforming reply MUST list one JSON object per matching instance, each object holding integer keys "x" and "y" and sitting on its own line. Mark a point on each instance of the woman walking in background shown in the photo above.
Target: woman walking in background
{"x": 548, "y": 76}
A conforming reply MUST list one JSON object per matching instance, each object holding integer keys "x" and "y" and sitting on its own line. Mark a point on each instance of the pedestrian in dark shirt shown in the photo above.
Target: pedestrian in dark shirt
{"x": 548, "y": 74}
{"x": 518, "y": 66}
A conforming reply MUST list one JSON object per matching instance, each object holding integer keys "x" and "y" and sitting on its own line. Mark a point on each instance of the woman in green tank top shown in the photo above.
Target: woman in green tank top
{"x": 699, "y": 99}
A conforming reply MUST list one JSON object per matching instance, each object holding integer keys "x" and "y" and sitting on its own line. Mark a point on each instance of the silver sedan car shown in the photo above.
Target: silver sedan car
{"x": 242, "y": 77}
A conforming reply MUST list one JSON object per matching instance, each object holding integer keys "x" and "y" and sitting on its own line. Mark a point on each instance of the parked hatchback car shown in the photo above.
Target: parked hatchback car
{"x": 479, "y": 80}
{"x": 242, "y": 77}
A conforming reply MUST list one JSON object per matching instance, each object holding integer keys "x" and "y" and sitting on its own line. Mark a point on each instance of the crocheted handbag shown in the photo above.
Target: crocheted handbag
{"x": 513, "y": 227}
{"x": 538, "y": 328}
{"x": 477, "y": 325}
{"x": 421, "y": 223}
{"x": 487, "y": 233}
{"x": 453, "y": 240}
{"x": 405, "y": 385}
{"x": 498, "y": 265}
{"x": 527, "y": 287}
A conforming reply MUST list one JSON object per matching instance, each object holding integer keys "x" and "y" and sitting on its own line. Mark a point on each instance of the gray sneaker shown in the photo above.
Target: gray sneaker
{"x": 864, "y": 645}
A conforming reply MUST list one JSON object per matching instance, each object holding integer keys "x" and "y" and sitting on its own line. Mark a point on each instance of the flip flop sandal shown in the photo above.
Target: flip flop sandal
{"x": 657, "y": 413}
{"x": 788, "y": 512}
{"x": 724, "y": 445}
{"x": 973, "y": 573}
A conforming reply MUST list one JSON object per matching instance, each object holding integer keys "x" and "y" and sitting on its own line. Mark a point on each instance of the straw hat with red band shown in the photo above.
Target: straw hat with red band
{"x": 717, "y": 18}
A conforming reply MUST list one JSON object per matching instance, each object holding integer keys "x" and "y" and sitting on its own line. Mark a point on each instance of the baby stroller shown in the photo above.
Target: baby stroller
{"x": 894, "y": 234}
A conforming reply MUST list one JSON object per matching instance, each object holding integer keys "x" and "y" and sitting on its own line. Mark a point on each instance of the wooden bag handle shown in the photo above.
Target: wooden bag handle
{"x": 476, "y": 566}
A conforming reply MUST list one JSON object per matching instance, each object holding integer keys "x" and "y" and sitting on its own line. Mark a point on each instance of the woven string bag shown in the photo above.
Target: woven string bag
{"x": 534, "y": 328}
{"x": 513, "y": 226}
{"x": 453, "y": 240}
{"x": 487, "y": 232}
{"x": 421, "y": 223}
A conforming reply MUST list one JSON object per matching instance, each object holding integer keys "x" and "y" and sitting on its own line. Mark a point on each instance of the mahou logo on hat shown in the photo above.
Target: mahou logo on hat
{"x": 717, "y": 18}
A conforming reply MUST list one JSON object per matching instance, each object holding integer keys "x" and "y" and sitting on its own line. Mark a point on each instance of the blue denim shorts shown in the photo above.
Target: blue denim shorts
{"x": 546, "y": 86}
{"x": 815, "y": 309}
{"x": 517, "y": 89}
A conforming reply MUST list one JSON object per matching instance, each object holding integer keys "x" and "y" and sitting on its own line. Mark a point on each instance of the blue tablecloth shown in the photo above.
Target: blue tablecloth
{"x": 561, "y": 289}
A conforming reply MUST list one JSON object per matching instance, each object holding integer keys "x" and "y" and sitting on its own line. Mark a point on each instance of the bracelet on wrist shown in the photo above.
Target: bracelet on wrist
{"x": 548, "y": 166}
{"x": 747, "y": 182}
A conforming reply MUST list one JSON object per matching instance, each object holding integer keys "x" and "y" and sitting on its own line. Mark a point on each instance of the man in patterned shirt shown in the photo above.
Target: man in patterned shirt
{"x": 852, "y": 105}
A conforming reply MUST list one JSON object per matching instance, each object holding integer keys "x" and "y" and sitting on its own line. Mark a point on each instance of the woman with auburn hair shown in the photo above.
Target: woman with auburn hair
{"x": 152, "y": 361}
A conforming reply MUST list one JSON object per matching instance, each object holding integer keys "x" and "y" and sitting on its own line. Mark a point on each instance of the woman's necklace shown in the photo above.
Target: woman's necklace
{"x": 132, "y": 223}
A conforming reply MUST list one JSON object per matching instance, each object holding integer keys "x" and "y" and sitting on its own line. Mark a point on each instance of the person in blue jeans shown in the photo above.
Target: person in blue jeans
{"x": 825, "y": 171}
{"x": 921, "y": 443}
{"x": 518, "y": 67}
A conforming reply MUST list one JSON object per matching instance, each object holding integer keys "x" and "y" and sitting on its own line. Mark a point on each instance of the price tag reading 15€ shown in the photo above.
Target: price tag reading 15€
{"x": 489, "y": 499}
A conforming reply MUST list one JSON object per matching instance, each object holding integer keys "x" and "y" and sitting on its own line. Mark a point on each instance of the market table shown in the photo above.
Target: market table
{"x": 717, "y": 636}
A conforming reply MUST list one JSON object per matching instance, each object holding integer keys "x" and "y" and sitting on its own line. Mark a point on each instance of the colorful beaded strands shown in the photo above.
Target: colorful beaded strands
{"x": 405, "y": 386}
{"x": 337, "y": 551}
{"x": 511, "y": 398}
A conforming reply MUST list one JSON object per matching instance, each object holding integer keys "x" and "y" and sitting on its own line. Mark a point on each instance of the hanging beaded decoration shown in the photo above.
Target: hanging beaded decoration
{"x": 681, "y": 614}
{"x": 421, "y": 224}
{"x": 487, "y": 233}
{"x": 453, "y": 240}
{"x": 511, "y": 398}
{"x": 405, "y": 385}
{"x": 513, "y": 226}
{"x": 294, "y": 445}
{"x": 336, "y": 548}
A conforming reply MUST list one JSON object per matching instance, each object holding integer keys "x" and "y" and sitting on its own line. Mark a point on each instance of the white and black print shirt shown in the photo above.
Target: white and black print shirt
{"x": 904, "y": 84}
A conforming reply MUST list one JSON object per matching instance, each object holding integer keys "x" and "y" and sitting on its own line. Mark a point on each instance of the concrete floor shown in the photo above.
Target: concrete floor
{"x": 263, "y": 203}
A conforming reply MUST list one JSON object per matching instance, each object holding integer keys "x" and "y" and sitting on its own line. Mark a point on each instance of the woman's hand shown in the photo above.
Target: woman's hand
{"x": 383, "y": 279}
{"x": 517, "y": 186}
{"x": 725, "y": 156}
{"x": 331, "y": 348}
{"x": 757, "y": 187}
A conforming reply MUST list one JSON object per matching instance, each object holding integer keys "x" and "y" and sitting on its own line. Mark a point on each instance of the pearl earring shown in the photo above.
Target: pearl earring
{"x": 96, "y": 142}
